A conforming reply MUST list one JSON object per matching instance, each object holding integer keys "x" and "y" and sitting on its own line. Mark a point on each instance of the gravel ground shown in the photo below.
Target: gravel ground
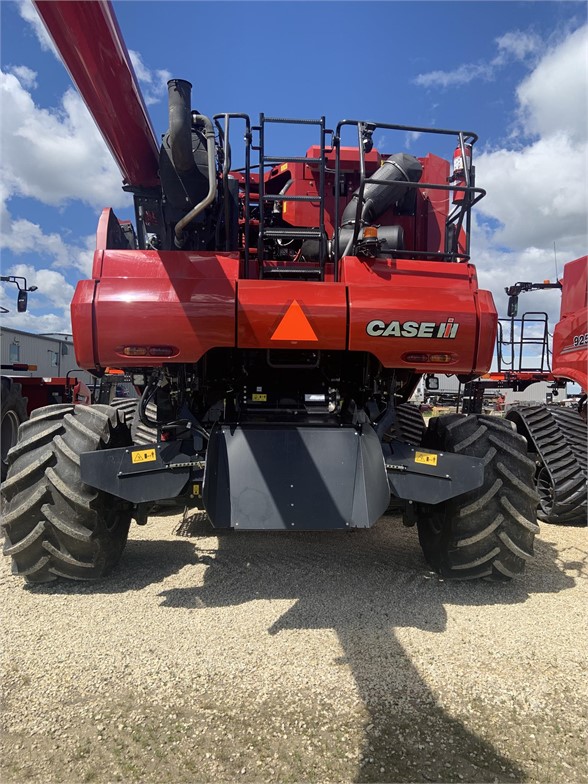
{"x": 292, "y": 657}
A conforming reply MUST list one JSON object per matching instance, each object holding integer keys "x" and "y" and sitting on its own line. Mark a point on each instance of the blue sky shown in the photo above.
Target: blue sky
{"x": 515, "y": 73}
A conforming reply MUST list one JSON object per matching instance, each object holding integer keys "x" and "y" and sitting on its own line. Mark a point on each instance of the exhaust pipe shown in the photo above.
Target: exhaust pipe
{"x": 180, "y": 125}
{"x": 181, "y": 120}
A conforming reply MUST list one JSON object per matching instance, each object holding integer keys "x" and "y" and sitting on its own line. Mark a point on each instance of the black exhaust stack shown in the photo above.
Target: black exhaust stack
{"x": 183, "y": 159}
{"x": 180, "y": 125}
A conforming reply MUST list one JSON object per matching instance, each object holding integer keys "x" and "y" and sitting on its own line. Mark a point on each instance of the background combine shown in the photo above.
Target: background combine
{"x": 275, "y": 318}
{"x": 557, "y": 437}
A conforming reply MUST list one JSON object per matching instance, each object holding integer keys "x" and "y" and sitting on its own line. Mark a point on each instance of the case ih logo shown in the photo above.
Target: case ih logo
{"x": 412, "y": 329}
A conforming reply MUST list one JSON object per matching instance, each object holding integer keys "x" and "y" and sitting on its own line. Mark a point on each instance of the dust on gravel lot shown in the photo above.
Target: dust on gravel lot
{"x": 293, "y": 657}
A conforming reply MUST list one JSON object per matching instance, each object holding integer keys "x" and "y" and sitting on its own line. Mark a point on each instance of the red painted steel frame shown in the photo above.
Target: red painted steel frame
{"x": 570, "y": 349}
{"x": 90, "y": 43}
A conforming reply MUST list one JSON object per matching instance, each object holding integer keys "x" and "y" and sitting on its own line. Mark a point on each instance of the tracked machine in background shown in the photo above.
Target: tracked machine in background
{"x": 558, "y": 436}
{"x": 275, "y": 318}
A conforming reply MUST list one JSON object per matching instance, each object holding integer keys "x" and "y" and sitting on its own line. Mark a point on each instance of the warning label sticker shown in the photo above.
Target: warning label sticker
{"x": 143, "y": 456}
{"x": 426, "y": 458}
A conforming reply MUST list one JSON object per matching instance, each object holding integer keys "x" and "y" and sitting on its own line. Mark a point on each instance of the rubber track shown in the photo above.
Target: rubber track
{"x": 559, "y": 437}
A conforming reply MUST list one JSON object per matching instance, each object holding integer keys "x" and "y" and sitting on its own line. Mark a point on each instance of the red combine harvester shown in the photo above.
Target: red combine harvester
{"x": 558, "y": 436}
{"x": 275, "y": 323}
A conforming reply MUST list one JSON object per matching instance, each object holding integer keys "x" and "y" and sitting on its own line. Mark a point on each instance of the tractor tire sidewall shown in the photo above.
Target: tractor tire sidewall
{"x": 55, "y": 524}
{"x": 141, "y": 434}
{"x": 26, "y": 490}
{"x": 487, "y": 532}
{"x": 433, "y": 529}
{"x": 13, "y": 414}
{"x": 106, "y": 518}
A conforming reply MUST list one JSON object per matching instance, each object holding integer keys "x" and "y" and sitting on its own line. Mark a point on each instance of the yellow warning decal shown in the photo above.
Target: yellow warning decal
{"x": 143, "y": 456}
{"x": 256, "y": 397}
{"x": 426, "y": 458}
{"x": 284, "y": 167}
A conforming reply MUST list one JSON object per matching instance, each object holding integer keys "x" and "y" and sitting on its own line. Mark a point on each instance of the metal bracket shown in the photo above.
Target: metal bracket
{"x": 428, "y": 476}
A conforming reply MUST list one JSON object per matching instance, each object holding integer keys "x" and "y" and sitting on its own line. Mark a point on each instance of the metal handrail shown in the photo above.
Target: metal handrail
{"x": 248, "y": 139}
{"x": 472, "y": 194}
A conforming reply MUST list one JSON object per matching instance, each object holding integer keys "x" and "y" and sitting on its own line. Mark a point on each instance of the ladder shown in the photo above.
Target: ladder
{"x": 290, "y": 232}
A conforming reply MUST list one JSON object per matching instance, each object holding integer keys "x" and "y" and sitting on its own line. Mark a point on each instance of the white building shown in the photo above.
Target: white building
{"x": 53, "y": 354}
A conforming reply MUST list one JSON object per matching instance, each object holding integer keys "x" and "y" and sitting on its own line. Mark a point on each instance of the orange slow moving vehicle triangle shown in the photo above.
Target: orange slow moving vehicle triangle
{"x": 294, "y": 325}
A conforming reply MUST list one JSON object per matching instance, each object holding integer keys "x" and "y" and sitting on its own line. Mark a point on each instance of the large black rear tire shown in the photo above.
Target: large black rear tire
{"x": 141, "y": 433}
{"x": 54, "y": 524}
{"x": 487, "y": 532}
{"x": 409, "y": 425}
{"x": 14, "y": 413}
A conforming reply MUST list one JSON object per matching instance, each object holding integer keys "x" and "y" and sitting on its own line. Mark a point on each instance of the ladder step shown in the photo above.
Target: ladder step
{"x": 289, "y": 159}
{"x": 293, "y": 233}
{"x": 291, "y": 121}
{"x": 285, "y": 197}
{"x": 292, "y": 271}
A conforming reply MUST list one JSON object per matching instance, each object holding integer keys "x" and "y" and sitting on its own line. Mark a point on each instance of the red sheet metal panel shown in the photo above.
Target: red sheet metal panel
{"x": 488, "y": 325}
{"x": 399, "y": 309}
{"x": 570, "y": 337}
{"x": 150, "y": 299}
{"x": 81, "y": 318}
{"x": 284, "y": 314}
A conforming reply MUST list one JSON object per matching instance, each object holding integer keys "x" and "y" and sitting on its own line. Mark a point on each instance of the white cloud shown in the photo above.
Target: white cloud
{"x": 26, "y": 76}
{"x": 412, "y": 136}
{"x": 517, "y": 45}
{"x": 28, "y": 322}
{"x": 21, "y": 236}
{"x": 514, "y": 45}
{"x": 51, "y": 284}
{"x": 459, "y": 76}
{"x": 498, "y": 268}
{"x": 554, "y": 98}
{"x": 30, "y": 15}
{"x": 55, "y": 155}
{"x": 54, "y": 293}
{"x": 154, "y": 83}
{"x": 538, "y": 191}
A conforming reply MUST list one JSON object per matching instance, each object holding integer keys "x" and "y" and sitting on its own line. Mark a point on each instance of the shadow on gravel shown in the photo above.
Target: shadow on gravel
{"x": 144, "y": 562}
{"x": 364, "y": 585}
